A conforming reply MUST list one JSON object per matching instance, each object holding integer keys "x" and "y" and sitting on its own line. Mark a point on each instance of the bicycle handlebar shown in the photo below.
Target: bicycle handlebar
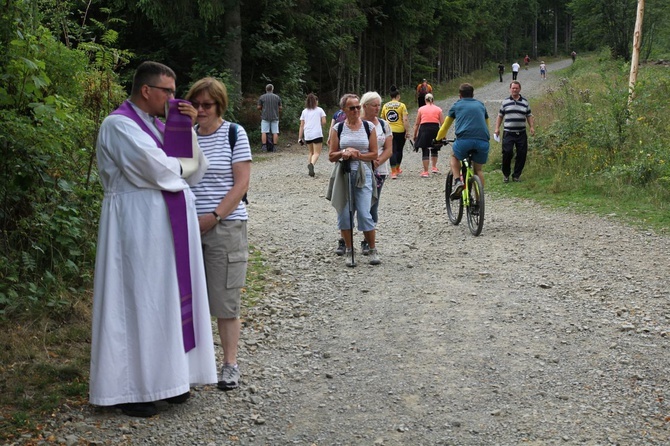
{"x": 442, "y": 142}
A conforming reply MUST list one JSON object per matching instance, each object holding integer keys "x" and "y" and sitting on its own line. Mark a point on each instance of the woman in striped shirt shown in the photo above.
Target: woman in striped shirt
{"x": 222, "y": 216}
{"x": 351, "y": 141}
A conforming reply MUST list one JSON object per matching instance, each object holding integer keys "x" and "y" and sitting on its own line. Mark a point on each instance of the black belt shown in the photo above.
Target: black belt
{"x": 516, "y": 133}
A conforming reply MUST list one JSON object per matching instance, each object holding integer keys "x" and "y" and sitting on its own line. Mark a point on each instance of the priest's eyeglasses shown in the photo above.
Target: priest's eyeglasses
{"x": 168, "y": 91}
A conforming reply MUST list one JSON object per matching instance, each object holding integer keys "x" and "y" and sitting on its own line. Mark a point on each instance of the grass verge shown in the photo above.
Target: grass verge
{"x": 44, "y": 364}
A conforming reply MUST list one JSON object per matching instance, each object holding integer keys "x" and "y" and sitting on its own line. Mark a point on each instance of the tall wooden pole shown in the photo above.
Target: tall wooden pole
{"x": 637, "y": 42}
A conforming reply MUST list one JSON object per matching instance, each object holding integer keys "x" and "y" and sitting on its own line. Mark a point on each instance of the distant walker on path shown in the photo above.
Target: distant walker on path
{"x": 515, "y": 70}
{"x": 270, "y": 106}
{"x": 421, "y": 91}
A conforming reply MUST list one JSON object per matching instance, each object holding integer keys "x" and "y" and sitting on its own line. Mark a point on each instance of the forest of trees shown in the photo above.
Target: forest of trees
{"x": 64, "y": 64}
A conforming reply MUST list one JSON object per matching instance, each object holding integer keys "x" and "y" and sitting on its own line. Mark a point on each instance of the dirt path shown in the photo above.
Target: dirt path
{"x": 552, "y": 329}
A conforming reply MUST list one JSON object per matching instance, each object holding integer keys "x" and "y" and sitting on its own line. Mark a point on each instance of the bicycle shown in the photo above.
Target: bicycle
{"x": 472, "y": 197}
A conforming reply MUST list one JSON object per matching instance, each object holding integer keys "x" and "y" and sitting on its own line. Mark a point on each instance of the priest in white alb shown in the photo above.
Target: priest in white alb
{"x": 152, "y": 333}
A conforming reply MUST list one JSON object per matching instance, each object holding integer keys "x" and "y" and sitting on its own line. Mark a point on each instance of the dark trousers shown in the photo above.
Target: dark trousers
{"x": 421, "y": 100}
{"x": 398, "y": 147}
{"x": 510, "y": 140}
{"x": 374, "y": 208}
{"x": 500, "y": 73}
{"x": 514, "y": 75}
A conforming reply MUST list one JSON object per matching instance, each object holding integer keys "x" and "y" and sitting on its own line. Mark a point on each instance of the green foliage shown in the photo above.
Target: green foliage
{"x": 48, "y": 204}
{"x": 600, "y": 142}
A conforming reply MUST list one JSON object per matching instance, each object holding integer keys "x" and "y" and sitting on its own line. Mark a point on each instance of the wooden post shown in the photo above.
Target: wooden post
{"x": 637, "y": 42}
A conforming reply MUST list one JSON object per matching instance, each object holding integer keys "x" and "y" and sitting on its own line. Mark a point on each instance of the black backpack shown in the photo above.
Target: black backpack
{"x": 232, "y": 139}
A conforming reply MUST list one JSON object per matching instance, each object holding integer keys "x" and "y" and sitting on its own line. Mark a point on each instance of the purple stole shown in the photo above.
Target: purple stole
{"x": 176, "y": 204}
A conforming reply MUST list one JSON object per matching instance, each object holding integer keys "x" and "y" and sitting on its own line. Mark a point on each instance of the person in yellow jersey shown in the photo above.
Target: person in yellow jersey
{"x": 395, "y": 113}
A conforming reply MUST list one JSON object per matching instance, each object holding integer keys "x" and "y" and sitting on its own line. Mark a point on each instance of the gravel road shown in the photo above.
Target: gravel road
{"x": 549, "y": 328}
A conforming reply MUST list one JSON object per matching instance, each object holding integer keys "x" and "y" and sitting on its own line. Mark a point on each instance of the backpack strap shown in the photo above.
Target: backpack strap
{"x": 232, "y": 139}
{"x": 232, "y": 136}
{"x": 383, "y": 123}
{"x": 340, "y": 127}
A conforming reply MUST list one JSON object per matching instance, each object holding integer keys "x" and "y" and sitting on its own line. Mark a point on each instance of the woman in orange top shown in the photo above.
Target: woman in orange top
{"x": 428, "y": 121}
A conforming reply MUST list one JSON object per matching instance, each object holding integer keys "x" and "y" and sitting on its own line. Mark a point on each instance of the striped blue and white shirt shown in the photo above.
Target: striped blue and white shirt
{"x": 515, "y": 114}
{"x": 218, "y": 180}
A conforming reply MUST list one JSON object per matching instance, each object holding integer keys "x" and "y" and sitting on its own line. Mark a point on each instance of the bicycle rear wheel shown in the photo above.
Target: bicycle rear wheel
{"x": 454, "y": 207}
{"x": 476, "y": 208}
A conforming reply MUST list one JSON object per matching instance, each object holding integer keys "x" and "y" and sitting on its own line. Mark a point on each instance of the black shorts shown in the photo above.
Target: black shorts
{"x": 315, "y": 141}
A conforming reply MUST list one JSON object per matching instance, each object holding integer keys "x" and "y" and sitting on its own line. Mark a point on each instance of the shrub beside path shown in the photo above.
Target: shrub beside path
{"x": 550, "y": 328}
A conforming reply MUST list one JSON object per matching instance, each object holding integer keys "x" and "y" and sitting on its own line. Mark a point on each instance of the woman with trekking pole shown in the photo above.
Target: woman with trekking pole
{"x": 354, "y": 142}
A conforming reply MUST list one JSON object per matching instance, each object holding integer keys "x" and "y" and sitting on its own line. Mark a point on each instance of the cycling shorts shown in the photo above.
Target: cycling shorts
{"x": 462, "y": 146}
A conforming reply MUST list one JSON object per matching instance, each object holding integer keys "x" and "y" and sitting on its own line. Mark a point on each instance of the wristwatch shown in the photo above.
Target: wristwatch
{"x": 218, "y": 217}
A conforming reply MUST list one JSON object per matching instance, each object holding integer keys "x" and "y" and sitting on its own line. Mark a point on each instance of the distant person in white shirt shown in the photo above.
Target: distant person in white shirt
{"x": 515, "y": 70}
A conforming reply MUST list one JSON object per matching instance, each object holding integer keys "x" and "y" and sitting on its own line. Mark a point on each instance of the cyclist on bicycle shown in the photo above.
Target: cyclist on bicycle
{"x": 472, "y": 133}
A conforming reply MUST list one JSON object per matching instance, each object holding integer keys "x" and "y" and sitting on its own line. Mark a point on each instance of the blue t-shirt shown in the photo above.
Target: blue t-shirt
{"x": 339, "y": 116}
{"x": 470, "y": 117}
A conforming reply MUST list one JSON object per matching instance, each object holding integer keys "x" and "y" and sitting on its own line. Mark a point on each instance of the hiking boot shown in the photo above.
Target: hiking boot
{"x": 457, "y": 189}
{"x": 230, "y": 377}
{"x": 350, "y": 258}
{"x": 365, "y": 248}
{"x": 310, "y": 169}
{"x": 341, "y": 247}
{"x": 425, "y": 174}
{"x": 374, "y": 257}
{"x": 505, "y": 179}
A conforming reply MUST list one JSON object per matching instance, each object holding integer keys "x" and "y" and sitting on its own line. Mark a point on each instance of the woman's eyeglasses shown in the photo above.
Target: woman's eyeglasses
{"x": 204, "y": 105}
{"x": 354, "y": 107}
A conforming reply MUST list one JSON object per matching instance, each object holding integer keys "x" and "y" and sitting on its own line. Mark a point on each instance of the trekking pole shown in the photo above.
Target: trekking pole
{"x": 350, "y": 200}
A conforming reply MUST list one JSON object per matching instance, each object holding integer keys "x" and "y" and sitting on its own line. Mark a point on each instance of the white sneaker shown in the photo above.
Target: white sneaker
{"x": 374, "y": 257}
{"x": 350, "y": 258}
{"x": 230, "y": 377}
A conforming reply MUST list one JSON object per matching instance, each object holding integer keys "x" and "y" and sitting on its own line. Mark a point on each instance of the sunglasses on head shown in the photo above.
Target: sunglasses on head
{"x": 354, "y": 107}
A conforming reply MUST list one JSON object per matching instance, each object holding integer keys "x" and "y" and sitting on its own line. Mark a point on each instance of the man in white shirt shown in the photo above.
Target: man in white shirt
{"x": 515, "y": 70}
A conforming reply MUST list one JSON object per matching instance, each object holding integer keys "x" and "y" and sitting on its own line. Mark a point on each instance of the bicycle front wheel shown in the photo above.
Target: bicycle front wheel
{"x": 454, "y": 207}
{"x": 476, "y": 207}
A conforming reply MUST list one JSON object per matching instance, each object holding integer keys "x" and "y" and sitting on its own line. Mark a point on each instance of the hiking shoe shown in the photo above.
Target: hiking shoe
{"x": 179, "y": 399}
{"x": 230, "y": 377}
{"x": 365, "y": 248}
{"x": 425, "y": 174}
{"x": 310, "y": 168}
{"x": 435, "y": 170}
{"x": 394, "y": 176}
{"x": 399, "y": 171}
{"x": 341, "y": 247}
{"x": 505, "y": 179}
{"x": 350, "y": 258}
{"x": 374, "y": 257}
{"x": 457, "y": 189}
{"x": 264, "y": 148}
{"x": 141, "y": 410}
{"x": 515, "y": 179}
